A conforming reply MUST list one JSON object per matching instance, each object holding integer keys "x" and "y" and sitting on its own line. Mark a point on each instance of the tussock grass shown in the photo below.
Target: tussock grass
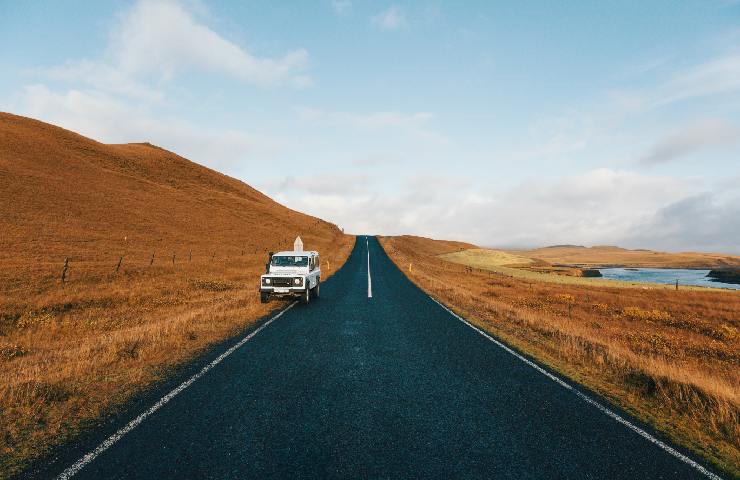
{"x": 669, "y": 357}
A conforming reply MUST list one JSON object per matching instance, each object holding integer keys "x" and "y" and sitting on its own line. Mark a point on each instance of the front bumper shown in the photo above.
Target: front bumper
{"x": 283, "y": 291}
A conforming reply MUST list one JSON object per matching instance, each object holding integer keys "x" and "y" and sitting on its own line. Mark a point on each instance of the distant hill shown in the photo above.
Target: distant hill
{"x": 64, "y": 195}
{"x": 608, "y": 255}
{"x": 427, "y": 246}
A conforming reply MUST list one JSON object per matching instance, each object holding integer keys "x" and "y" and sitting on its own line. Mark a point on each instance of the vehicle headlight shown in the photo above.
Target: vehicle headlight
{"x": 267, "y": 281}
{"x": 297, "y": 281}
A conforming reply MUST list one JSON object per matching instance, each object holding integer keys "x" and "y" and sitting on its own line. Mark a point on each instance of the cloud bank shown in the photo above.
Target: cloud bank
{"x": 602, "y": 206}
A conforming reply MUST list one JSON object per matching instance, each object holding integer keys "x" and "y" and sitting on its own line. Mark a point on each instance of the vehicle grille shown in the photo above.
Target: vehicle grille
{"x": 282, "y": 281}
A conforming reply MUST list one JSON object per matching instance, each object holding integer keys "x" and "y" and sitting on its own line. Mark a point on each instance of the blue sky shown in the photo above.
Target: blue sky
{"x": 500, "y": 123}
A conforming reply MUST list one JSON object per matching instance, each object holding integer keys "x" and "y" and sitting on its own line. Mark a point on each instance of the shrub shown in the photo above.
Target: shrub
{"x": 601, "y": 307}
{"x": 11, "y": 351}
{"x": 637, "y": 313}
{"x": 564, "y": 298}
{"x": 725, "y": 332}
{"x": 35, "y": 319}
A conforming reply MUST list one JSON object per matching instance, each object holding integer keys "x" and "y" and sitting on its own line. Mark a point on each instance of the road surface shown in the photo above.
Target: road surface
{"x": 374, "y": 380}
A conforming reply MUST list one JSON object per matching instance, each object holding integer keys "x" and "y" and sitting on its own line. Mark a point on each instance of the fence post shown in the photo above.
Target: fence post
{"x": 190, "y": 258}
{"x": 64, "y": 269}
{"x": 173, "y": 259}
{"x": 676, "y": 284}
{"x": 151, "y": 261}
{"x": 118, "y": 267}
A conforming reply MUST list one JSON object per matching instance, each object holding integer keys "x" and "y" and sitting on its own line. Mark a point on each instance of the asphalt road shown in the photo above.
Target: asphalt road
{"x": 391, "y": 386}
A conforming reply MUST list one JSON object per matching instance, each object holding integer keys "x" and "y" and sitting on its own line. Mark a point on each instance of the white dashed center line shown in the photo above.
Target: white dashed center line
{"x": 369, "y": 278}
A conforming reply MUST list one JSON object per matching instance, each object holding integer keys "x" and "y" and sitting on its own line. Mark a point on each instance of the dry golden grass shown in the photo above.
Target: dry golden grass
{"x": 615, "y": 256}
{"x": 669, "y": 357}
{"x": 480, "y": 257}
{"x": 70, "y": 353}
{"x": 539, "y": 271}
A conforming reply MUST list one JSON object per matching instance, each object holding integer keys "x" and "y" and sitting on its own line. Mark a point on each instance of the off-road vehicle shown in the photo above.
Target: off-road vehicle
{"x": 291, "y": 274}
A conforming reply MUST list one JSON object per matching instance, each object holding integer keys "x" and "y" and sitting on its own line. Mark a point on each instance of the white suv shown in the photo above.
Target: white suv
{"x": 291, "y": 274}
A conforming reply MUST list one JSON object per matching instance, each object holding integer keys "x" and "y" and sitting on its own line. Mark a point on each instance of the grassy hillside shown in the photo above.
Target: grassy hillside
{"x": 604, "y": 256}
{"x": 669, "y": 357}
{"x": 191, "y": 243}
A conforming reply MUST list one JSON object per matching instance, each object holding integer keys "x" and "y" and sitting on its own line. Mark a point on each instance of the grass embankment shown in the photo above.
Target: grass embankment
{"x": 72, "y": 352}
{"x": 669, "y": 357}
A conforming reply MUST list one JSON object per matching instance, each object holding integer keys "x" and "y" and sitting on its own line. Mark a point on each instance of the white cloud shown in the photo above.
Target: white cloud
{"x": 691, "y": 138}
{"x": 102, "y": 77}
{"x": 341, "y": 7}
{"x": 609, "y": 128}
{"x": 392, "y": 18}
{"x": 104, "y": 118}
{"x": 164, "y": 38}
{"x": 717, "y": 76}
{"x": 707, "y": 221}
{"x": 155, "y": 40}
{"x": 114, "y": 98}
{"x": 602, "y": 206}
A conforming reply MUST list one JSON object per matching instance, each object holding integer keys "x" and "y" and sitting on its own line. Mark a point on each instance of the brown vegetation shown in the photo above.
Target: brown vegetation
{"x": 191, "y": 244}
{"x": 540, "y": 271}
{"x": 604, "y": 256}
{"x": 669, "y": 357}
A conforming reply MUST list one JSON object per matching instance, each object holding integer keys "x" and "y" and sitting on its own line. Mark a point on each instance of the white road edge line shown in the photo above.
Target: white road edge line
{"x": 369, "y": 278}
{"x": 587, "y": 399}
{"x": 110, "y": 441}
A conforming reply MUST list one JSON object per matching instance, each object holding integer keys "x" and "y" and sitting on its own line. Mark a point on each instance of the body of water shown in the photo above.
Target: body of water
{"x": 664, "y": 275}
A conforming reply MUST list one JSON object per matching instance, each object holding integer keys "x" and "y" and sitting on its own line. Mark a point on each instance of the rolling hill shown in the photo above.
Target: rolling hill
{"x": 65, "y": 195}
{"x": 164, "y": 257}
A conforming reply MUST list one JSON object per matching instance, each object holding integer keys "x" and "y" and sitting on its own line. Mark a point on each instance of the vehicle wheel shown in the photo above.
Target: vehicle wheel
{"x": 317, "y": 289}
{"x": 264, "y": 297}
{"x": 306, "y": 296}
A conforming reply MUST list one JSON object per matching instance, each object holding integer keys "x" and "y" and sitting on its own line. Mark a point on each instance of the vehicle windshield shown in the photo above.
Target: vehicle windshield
{"x": 289, "y": 261}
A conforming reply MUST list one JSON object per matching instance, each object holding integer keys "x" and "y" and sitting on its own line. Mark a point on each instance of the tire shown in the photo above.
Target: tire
{"x": 306, "y": 296}
{"x": 264, "y": 297}
{"x": 317, "y": 289}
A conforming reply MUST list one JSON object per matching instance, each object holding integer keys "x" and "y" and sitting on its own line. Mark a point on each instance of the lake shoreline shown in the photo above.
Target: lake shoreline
{"x": 728, "y": 275}
{"x": 726, "y": 279}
